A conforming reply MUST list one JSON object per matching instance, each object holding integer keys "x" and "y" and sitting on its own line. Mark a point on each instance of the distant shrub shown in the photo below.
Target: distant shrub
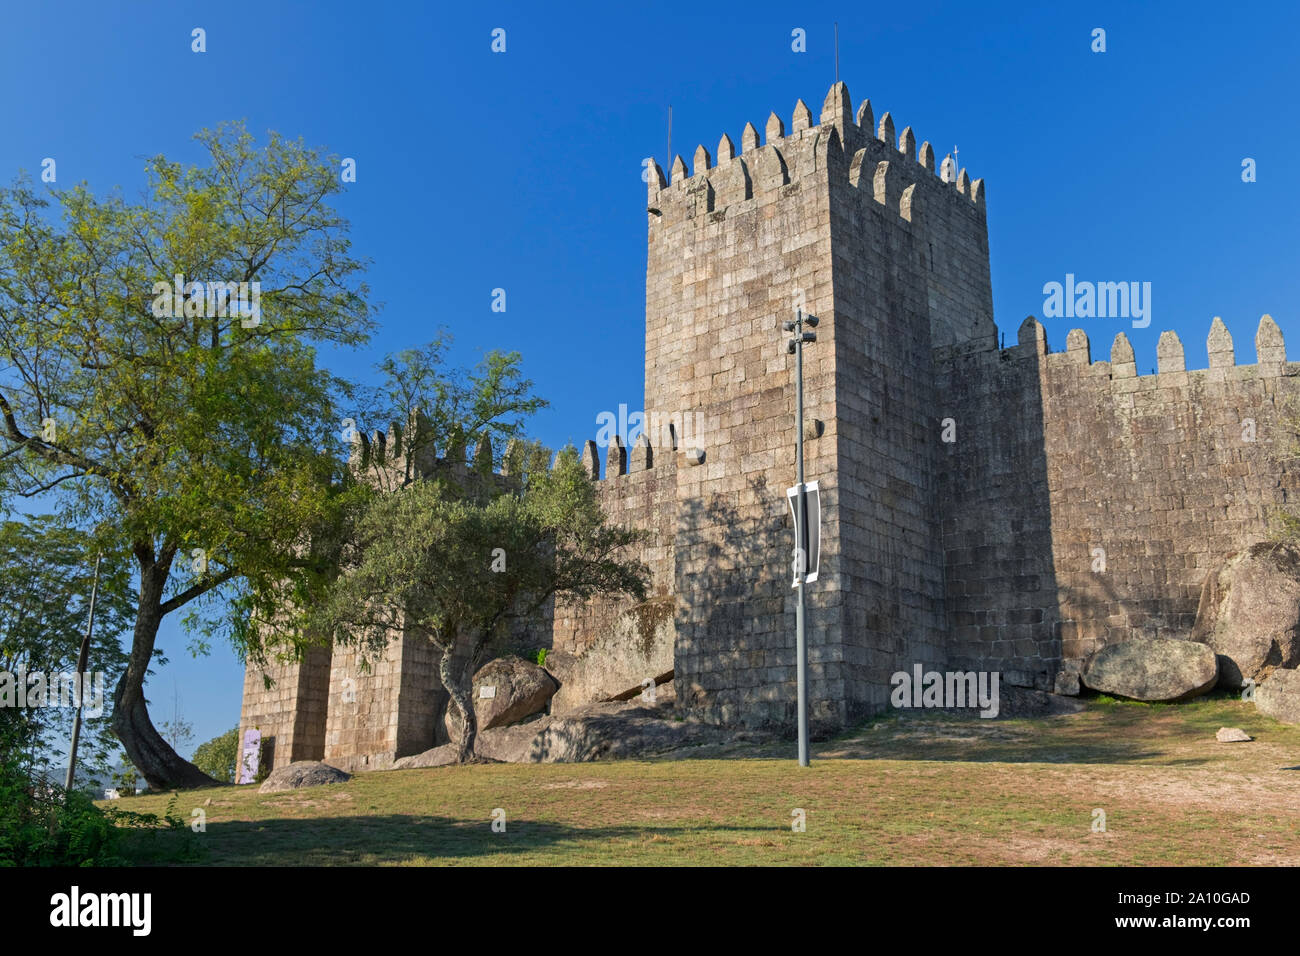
{"x": 219, "y": 756}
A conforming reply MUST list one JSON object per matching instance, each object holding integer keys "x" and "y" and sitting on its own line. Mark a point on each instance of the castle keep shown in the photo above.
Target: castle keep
{"x": 982, "y": 508}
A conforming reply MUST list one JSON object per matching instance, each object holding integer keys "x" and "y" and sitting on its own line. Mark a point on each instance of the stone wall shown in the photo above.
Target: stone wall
{"x": 602, "y": 647}
{"x": 1058, "y": 456}
{"x": 385, "y": 710}
{"x": 727, "y": 248}
{"x": 290, "y": 713}
{"x": 891, "y": 302}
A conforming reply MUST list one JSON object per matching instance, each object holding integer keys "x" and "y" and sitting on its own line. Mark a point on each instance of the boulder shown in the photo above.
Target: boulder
{"x": 1067, "y": 678}
{"x": 302, "y": 773}
{"x": 1279, "y": 696}
{"x": 613, "y": 731}
{"x": 601, "y": 731}
{"x": 437, "y": 757}
{"x": 519, "y": 689}
{"x": 639, "y": 644}
{"x": 510, "y": 744}
{"x": 1152, "y": 669}
{"x": 1232, "y": 735}
{"x": 1250, "y": 613}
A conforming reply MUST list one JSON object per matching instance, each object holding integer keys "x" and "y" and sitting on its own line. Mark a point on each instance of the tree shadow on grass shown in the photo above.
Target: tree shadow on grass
{"x": 951, "y": 737}
{"x": 396, "y": 839}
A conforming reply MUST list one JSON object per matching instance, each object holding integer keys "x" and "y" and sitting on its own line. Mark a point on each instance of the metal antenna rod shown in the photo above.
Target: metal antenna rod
{"x": 837, "y": 53}
{"x": 670, "y": 138}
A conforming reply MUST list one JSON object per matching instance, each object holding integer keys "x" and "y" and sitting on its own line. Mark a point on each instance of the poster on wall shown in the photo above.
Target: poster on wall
{"x": 249, "y": 755}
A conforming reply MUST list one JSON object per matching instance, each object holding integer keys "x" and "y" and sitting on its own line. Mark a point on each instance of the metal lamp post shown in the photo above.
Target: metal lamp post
{"x": 82, "y": 678}
{"x": 795, "y": 347}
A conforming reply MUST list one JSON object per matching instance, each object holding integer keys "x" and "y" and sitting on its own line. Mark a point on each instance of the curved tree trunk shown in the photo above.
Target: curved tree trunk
{"x": 460, "y": 691}
{"x": 163, "y": 768}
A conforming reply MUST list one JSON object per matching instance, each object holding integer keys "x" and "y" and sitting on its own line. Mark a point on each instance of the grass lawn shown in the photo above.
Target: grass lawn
{"x": 918, "y": 789}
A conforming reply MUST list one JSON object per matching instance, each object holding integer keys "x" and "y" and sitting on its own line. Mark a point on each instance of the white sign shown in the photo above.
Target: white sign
{"x": 487, "y": 693}
{"x": 806, "y": 551}
{"x": 250, "y": 756}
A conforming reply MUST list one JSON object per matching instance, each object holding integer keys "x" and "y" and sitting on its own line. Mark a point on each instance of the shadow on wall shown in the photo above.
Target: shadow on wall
{"x": 735, "y": 658}
{"x": 1001, "y": 587}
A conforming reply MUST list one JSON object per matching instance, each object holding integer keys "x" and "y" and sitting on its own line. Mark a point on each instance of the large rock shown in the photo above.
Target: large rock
{"x": 615, "y": 731}
{"x": 1231, "y": 735}
{"x": 437, "y": 757}
{"x": 602, "y": 731}
{"x": 1152, "y": 669}
{"x": 1279, "y": 696}
{"x": 1250, "y": 613}
{"x": 302, "y": 773}
{"x": 638, "y": 644}
{"x": 520, "y": 689}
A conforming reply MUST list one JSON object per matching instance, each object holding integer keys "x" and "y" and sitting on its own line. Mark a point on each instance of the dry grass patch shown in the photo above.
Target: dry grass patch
{"x": 922, "y": 789}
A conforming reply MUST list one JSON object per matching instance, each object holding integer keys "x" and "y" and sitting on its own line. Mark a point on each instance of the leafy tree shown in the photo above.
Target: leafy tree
{"x": 423, "y": 558}
{"x": 219, "y": 757}
{"x": 203, "y": 444}
{"x": 46, "y": 577}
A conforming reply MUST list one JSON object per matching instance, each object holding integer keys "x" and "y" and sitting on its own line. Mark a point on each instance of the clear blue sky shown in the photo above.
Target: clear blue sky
{"x": 522, "y": 170}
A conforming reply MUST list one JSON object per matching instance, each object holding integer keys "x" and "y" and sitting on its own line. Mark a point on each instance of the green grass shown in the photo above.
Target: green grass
{"x": 915, "y": 790}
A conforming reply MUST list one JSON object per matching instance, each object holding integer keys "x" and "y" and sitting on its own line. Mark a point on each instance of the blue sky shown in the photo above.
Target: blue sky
{"x": 521, "y": 170}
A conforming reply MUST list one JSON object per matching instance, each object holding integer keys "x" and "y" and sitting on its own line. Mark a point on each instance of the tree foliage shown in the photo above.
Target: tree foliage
{"x": 219, "y": 757}
{"x": 202, "y": 444}
{"x": 46, "y": 577}
{"x": 459, "y": 552}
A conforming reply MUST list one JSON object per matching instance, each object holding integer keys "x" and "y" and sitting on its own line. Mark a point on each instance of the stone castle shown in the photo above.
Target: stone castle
{"x": 1010, "y": 509}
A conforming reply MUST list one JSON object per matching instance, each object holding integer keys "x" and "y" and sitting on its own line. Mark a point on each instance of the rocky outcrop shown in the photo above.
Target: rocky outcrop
{"x": 1250, "y": 613}
{"x": 601, "y": 731}
{"x": 517, "y": 690}
{"x": 302, "y": 773}
{"x": 638, "y": 647}
{"x": 1152, "y": 669}
{"x": 1279, "y": 696}
{"x": 1067, "y": 682}
{"x": 618, "y": 731}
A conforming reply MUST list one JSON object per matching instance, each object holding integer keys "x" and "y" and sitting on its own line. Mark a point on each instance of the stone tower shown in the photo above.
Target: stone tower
{"x": 849, "y": 221}
{"x": 967, "y": 489}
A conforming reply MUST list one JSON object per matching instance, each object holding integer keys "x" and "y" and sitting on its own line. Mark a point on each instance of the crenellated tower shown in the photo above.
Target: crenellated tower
{"x": 851, "y": 223}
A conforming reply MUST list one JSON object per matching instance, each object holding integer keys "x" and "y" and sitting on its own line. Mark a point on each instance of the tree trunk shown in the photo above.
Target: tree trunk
{"x": 162, "y": 767}
{"x": 461, "y": 692}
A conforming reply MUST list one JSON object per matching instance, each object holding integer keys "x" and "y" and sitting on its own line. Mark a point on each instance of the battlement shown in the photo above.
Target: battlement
{"x": 398, "y": 456}
{"x": 1171, "y": 365}
{"x": 391, "y": 459}
{"x": 863, "y": 153}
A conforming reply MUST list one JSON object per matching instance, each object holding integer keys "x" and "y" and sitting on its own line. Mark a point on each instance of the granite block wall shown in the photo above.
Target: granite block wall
{"x": 1085, "y": 504}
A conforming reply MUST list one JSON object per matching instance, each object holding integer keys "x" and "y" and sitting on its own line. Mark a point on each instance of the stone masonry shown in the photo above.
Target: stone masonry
{"x": 982, "y": 508}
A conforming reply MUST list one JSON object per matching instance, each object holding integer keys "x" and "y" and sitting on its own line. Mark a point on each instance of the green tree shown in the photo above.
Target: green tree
{"x": 46, "y": 575}
{"x": 203, "y": 444}
{"x": 456, "y": 558}
{"x": 219, "y": 756}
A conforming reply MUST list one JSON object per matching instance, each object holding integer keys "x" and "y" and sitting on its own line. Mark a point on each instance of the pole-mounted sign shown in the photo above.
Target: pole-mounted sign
{"x": 807, "y": 541}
